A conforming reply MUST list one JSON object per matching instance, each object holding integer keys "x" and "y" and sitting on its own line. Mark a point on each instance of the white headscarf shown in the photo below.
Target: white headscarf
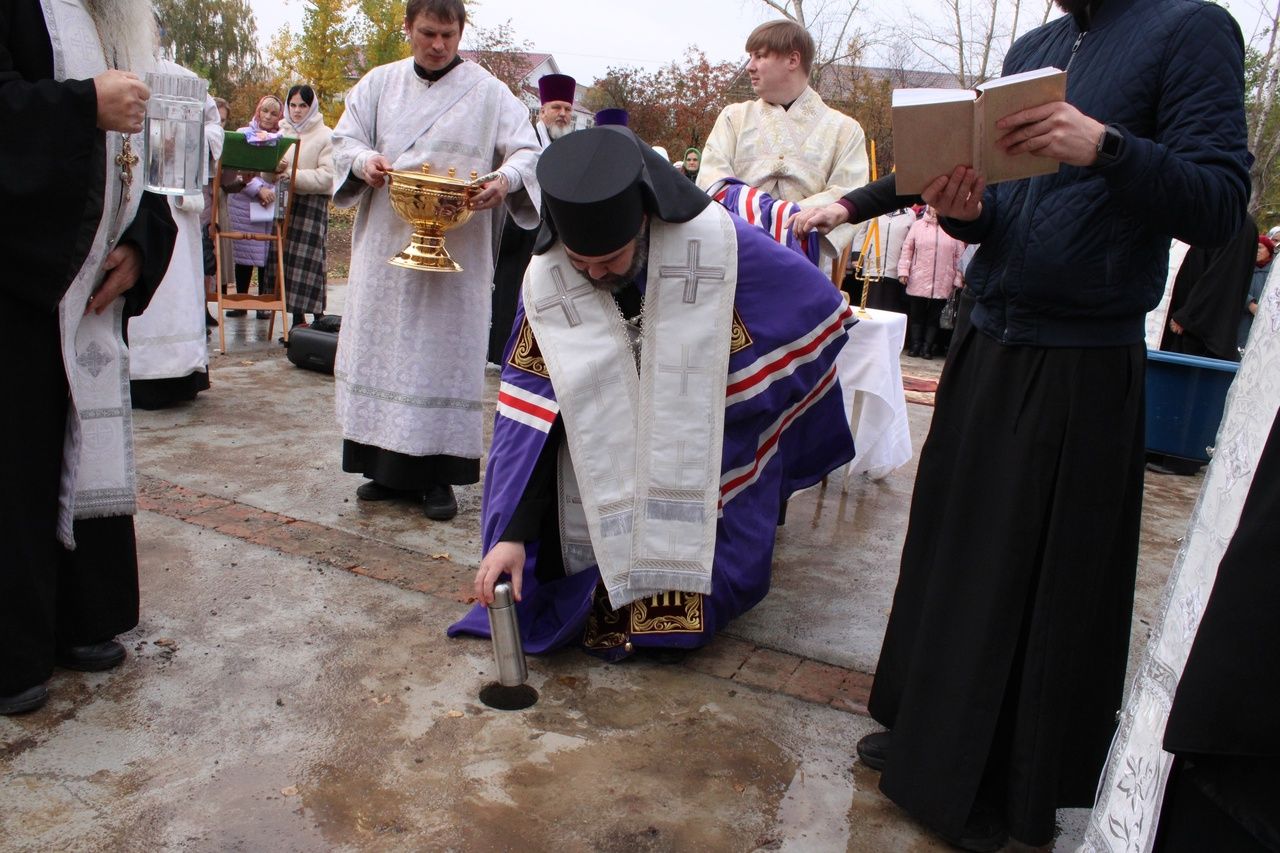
{"x": 310, "y": 120}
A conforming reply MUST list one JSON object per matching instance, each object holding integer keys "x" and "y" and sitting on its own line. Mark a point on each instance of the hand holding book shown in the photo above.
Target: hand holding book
{"x": 958, "y": 195}
{"x": 936, "y": 130}
{"x": 1056, "y": 130}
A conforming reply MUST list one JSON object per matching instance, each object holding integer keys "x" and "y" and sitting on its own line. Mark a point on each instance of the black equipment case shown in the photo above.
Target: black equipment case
{"x": 313, "y": 349}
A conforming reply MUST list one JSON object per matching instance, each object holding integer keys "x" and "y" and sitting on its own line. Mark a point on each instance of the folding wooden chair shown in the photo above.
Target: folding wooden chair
{"x": 237, "y": 153}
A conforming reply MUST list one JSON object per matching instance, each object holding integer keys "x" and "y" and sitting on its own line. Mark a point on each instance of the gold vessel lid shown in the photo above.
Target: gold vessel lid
{"x": 426, "y": 176}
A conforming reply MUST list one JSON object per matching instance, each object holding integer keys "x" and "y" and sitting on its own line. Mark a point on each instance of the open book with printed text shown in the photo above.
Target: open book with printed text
{"x": 935, "y": 130}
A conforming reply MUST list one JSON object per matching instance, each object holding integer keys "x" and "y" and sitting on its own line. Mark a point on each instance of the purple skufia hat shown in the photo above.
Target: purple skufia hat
{"x": 611, "y": 116}
{"x": 556, "y": 87}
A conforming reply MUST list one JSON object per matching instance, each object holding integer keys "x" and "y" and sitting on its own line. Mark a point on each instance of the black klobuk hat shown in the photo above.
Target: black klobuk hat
{"x": 597, "y": 185}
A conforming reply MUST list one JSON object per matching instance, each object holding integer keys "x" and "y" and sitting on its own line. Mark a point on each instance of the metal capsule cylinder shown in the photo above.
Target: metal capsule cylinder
{"x": 508, "y": 651}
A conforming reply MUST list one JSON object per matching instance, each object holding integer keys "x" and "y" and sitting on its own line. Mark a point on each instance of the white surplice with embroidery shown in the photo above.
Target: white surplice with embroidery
{"x": 640, "y": 483}
{"x": 98, "y": 478}
{"x": 411, "y": 355}
{"x": 809, "y": 154}
{"x": 1131, "y": 791}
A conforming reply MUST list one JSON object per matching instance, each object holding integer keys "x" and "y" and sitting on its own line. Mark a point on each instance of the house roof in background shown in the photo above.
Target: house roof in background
{"x": 531, "y": 61}
{"x": 835, "y": 80}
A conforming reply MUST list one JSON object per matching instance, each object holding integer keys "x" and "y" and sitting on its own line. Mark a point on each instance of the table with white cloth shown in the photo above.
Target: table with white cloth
{"x": 871, "y": 380}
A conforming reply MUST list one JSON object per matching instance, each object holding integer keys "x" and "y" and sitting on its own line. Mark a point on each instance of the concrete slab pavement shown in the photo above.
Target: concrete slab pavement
{"x": 290, "y": 686}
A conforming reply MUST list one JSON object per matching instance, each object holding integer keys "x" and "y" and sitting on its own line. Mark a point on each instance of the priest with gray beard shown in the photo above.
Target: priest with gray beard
{"x": 84, "y": 249}
{"x": 515, "y": 246}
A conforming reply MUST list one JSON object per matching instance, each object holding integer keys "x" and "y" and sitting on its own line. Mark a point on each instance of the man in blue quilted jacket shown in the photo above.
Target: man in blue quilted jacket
{"x": 1004, "y": 659}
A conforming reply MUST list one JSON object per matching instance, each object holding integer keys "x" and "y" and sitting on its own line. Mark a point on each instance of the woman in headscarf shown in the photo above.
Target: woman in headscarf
{"x": 691, "y": 164}
{"x": 247, "y": 189}
{"x": 304, "y": 257}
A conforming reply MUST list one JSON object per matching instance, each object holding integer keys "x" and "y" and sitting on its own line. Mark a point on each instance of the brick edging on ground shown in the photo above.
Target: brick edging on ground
{"x": 726, "y": 657}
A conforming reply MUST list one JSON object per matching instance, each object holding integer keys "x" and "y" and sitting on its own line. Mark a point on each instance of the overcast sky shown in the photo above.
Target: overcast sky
{"x": 587, "y": 36}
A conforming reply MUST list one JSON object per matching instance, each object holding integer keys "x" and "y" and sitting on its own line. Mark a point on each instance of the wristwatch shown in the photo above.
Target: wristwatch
{"x": 1110, "y": 146}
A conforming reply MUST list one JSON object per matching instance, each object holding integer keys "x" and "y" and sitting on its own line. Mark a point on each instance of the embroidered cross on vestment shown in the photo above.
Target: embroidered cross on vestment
{"x": 692, "y": 273}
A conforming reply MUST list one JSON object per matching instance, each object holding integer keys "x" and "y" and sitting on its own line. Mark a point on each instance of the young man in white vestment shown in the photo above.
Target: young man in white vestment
{"x": 411, "y": 354}
{"x": 787, "y": 142}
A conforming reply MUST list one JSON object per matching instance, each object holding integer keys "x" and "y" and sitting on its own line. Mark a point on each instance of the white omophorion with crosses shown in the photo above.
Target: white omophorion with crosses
{"x": 640, "y": 482}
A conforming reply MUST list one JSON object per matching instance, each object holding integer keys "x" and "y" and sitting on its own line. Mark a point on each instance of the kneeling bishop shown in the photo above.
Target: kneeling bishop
{"x": 669, "y": 381}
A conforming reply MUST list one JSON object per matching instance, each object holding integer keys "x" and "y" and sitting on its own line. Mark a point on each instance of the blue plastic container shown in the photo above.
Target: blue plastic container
{"x": 1185, "y": 398}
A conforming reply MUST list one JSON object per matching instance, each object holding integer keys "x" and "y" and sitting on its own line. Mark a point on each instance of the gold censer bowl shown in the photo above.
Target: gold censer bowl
{"x": 432, "y": 204}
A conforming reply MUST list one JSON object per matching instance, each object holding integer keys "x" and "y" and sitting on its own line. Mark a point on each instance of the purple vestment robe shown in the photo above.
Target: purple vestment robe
{"x": 785, "y": 428}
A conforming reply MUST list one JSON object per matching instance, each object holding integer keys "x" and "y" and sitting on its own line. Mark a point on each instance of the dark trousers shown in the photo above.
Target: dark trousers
{"x": 49, "y": 596}
{"x": 244, "y": 274}
{"x": 924, "y": 312}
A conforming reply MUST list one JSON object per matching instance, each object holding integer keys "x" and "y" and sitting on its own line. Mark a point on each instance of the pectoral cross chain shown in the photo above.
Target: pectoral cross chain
{"x": 126, "y": 160}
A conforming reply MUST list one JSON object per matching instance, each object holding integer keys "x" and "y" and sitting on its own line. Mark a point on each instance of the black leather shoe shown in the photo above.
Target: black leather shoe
{"x": 439, "y": 503}
{"x": 873, "y": 749}
{"x": 27, "y": 700}
{"x": 91, "y": 658}
{"x": 374, "y": 491}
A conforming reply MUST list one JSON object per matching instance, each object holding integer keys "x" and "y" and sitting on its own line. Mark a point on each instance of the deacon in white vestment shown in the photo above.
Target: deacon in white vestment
{"x": 661, "y": 397}
{"x": 411, "y": 354}
{"x": 168, "y": 356}
{"x": 84, "y": 248}
{"x": 787, "y": 142}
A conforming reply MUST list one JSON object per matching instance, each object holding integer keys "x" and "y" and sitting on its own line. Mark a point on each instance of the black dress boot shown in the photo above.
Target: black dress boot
{"x": 917, "y": 340}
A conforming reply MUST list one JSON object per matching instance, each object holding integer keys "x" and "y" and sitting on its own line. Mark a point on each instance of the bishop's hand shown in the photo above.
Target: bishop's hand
{"x": 122, "y": 101}
{"x": 504, "y": 558}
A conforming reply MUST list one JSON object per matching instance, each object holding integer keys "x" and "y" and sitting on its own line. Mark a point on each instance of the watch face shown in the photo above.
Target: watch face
{"x": 1110, "y": 144}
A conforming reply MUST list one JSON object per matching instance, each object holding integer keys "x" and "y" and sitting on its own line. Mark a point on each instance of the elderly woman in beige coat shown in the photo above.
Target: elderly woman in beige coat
{"x": 304, "y": 258}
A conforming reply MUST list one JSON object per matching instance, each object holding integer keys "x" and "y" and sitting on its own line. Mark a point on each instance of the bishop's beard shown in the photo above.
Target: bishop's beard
{"x": 616, "y": 282}
{"x": 127, "y": 29}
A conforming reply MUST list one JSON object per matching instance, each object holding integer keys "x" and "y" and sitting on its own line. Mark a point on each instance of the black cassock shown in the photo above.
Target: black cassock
{"x": 514, "y": 251}
{"x": 1209, "y": 295}
{"x": 51, "y": 197}
{"x": 1004, "y": 658}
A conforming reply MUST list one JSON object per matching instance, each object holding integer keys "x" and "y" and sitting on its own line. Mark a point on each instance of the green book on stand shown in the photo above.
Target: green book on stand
{"x": 237, "y": 153}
